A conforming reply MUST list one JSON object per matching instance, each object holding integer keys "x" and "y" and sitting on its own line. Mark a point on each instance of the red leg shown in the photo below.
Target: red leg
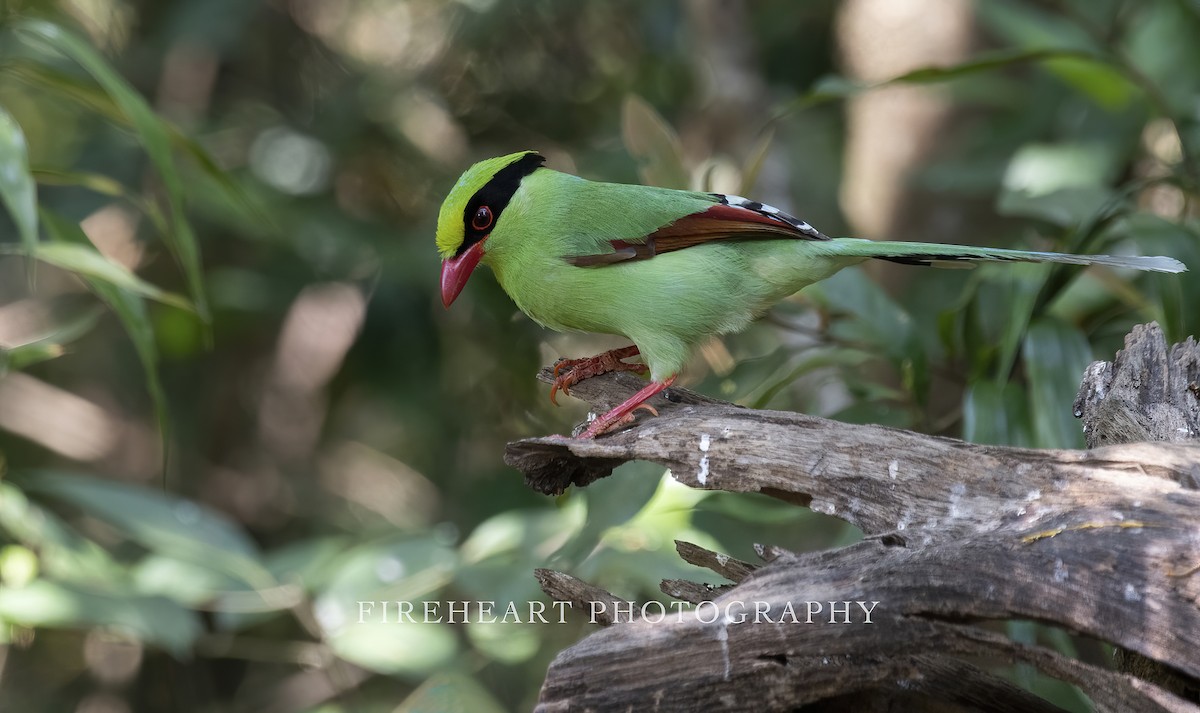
{"x": 618, "y": 415}
{"x": 574, "y": 371}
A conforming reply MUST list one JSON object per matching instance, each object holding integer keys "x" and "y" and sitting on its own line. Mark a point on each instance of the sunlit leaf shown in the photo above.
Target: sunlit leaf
{"x": 166, "y": 524}
{"x": 397, "y": 647}
{"x": 615, "y": 503}
{"x": 65, "y": 554}
{"x": 1064, "y": 207}
{"x": 202, "y": 586}
{"x": 450, "y": 692}
{"x": 154, "y": 134}
{"x": 17, "y": 189}
{"x": 407, "y": 569}
{"x": 515, "y": 641}
{"x": 155, "y": 620}
{"x": 757, "y": 510}
{"x": 499, "y": 554}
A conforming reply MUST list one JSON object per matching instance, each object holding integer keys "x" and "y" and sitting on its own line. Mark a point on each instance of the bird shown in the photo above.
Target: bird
{"x": 667, "y": 269}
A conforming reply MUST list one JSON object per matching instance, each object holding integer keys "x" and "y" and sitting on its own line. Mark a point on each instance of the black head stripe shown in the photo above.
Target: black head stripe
{"x": 496, "y": 194}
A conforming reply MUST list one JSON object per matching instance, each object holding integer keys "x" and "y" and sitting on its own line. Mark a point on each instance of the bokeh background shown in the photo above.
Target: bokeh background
{"x": 231, "y": 206}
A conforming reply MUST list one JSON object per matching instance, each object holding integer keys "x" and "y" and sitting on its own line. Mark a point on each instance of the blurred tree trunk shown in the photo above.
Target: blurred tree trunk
{"x": 890, "y": 132}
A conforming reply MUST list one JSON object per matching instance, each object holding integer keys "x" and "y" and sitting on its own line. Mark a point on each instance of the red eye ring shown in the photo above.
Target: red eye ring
{"x": 482, "y": 219}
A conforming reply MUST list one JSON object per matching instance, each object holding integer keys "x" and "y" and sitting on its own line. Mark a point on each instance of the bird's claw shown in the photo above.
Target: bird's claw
{"x": 625, "y": 420}
{"x": 568, "y": 372}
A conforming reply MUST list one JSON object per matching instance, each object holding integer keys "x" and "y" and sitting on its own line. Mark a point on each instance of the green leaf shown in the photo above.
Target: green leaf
{"x": 17, "y": 189}
{"x": 64, "y": 553}
{"x": 153, "y": 131}
{"x": 836, "y": 87}
{"x": 1056, "y": 355}
{"x": 991, "y": 61}
{"x": 400, "y": 570}
{"x": 624, "y": 494}
{"x": 169, "y": 525}
{"x": 68, "y": 253}
{"x": 808, "y": 362}
{"x": 1023, "y": 283}
{"x": 185, "y": 582}
{"x": 759, "y": 510}
{"x": 1038, "y": 169}
{"x": 94, "y": 99}
{"x": 306, "y": 566}
{"x": 995, "y": 414}
{"x": 652, "y": 141}
{"x": 156, "y": 620}
{"x": 99, "y": 183}
{"x": 877, "y": 318}
{"x": 1064, "y": 207}
{"x": 448, "y": 691}
{"x": 129, "y": 307}
{"x": 51, "y": 345}
{"x": 397, "y": 647}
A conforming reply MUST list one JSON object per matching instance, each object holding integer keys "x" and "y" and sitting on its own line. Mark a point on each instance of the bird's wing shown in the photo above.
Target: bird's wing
{"x": 729, "y": 218}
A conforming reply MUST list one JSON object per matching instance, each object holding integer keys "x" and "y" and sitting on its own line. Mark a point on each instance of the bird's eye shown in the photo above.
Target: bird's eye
{"x": 482, "y": 219}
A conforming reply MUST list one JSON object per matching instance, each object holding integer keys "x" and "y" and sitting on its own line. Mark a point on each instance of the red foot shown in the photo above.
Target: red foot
{"x": 623, "y": 414}
{"x": 574, "y": 371}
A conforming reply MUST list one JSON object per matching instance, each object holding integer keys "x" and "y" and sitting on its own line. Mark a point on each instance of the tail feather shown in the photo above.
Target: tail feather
{"x": 957, "y": 255}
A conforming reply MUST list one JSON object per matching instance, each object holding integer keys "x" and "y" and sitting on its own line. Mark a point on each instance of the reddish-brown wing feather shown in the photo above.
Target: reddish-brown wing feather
{"x": 720, "y": 222}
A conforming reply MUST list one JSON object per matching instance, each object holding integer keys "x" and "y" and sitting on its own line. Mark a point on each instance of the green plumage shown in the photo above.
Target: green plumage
{"x": 672, "y": 301}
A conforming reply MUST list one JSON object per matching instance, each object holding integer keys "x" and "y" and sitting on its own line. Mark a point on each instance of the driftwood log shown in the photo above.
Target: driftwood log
{"x": 1104, "y": 543}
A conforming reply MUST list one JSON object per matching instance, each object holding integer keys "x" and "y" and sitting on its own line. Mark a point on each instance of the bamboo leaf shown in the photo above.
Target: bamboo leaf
{"x": 836, "y": 87}
{"x": 87, "y": 261}
{"x": 153, "y": 132}
{"x": 49, "y": 346}
{"x": 127, "y": 303}
{"x": 17, "y": 189}
{"x": 93, "y": 98}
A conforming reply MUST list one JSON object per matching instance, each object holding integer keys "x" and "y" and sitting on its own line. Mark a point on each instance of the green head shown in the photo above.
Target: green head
{"x": 472, "y": 211}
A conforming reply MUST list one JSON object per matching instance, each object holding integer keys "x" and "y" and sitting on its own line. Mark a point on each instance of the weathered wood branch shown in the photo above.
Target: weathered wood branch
{"x": 1104, "y": 542}
{"x": 1148, "y": 393}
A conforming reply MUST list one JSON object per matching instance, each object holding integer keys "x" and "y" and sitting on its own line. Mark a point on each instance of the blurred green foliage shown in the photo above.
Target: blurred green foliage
{"x": 248, "y": 192}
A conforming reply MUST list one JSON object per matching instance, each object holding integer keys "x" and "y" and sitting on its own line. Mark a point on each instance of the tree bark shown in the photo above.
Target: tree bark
{"x": 1103, "y": 543}
{"x": 1147, "y": 393}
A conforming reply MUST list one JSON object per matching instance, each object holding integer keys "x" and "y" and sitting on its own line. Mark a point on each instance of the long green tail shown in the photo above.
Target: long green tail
{"x": 955, "y": 255}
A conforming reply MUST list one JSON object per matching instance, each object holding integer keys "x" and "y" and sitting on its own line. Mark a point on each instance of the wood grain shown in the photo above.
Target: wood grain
{"x": 1104, "y": 542}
